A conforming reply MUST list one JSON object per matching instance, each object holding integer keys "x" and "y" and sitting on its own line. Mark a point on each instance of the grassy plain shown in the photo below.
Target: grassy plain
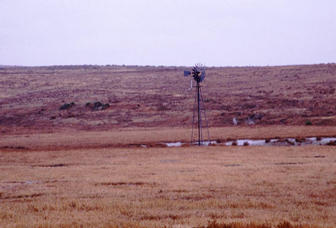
{"x": 177, "y": 187}
{"x": 66, "y": 162}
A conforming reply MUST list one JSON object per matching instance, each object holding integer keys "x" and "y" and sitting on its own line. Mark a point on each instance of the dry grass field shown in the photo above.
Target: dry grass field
{"x": 176, "y": 187}
{"x": 72, "y": 138}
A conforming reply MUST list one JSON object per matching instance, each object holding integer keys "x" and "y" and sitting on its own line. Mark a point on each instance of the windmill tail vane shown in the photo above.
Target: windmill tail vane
{"x": 186, "y": 73}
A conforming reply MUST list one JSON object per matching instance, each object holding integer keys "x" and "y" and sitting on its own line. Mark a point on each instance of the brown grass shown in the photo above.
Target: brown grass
{"x": 175, "y": 187}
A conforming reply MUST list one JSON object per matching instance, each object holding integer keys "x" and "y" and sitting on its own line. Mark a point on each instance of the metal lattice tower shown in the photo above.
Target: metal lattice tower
{"x": 198, "y": 74}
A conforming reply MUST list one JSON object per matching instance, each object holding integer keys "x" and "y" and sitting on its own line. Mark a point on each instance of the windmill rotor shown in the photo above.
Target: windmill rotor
{"x": 197, "y": 72}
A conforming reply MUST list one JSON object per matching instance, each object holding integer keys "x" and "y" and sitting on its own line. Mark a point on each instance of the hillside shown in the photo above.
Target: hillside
{"x": 49, "y": 99}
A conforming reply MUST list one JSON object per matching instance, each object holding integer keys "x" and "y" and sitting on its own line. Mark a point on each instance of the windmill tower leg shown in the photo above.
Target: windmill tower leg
{"x": 204, "y": 115}
{"x": 194, "y": 123}
{"x": 199, "y": 114}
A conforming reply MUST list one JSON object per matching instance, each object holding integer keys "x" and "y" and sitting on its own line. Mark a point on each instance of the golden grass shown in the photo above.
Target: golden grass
{"x": 175, "y": 187}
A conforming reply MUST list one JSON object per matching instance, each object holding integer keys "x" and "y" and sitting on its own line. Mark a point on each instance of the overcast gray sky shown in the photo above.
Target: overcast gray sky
{"x": 167, "y": 32}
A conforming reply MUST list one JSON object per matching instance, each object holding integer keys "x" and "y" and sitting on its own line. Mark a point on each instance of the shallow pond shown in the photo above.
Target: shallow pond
{"x": 267, "y": 142}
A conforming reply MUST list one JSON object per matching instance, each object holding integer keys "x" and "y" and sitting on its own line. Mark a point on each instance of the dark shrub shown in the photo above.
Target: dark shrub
{"x": 96, "y": 106}
{"x": 308, "y": 123}
{"x": 67, "y": 106}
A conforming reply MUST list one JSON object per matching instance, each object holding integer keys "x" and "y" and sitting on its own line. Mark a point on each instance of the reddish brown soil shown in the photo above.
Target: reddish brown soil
{"x": 31, "y": 97}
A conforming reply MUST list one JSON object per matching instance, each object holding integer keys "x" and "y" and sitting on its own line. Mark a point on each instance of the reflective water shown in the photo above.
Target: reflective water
{"x": 174, "y": 144}
{"x": 267, "y": 142}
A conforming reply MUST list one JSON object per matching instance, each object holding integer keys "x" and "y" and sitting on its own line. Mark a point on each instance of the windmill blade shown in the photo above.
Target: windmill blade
{"x": 187, "y": 73}
{"x": 195, "y": 71}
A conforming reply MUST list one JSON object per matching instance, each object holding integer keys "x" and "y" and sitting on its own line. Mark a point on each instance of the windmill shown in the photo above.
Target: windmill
{"x": 198, "y": 74}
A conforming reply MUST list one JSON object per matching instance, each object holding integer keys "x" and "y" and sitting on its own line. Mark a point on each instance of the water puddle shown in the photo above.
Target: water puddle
{"x": 319, "y": 141}
{"x": 174, "y": 144}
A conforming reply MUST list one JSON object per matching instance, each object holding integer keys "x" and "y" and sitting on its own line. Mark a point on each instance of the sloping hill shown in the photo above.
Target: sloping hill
{"x": 108, "y": 97}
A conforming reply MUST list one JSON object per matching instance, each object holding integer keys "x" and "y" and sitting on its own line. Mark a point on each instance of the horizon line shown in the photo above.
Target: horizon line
{"x": 178, "y": 66}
